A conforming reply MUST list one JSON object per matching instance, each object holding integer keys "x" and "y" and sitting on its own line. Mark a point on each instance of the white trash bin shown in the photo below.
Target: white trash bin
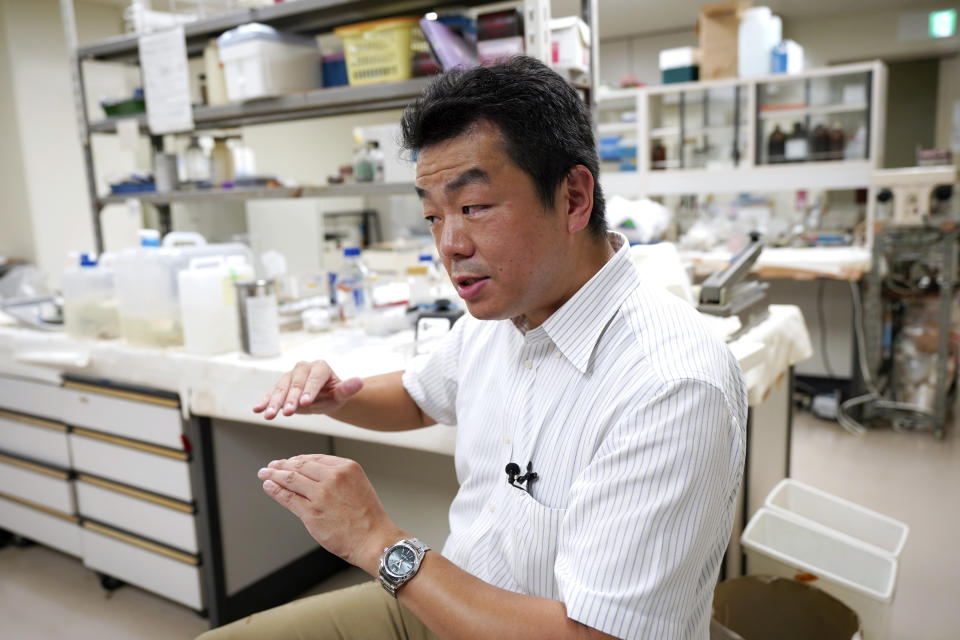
{"x": 862, "y": 577}
{"x": 845, "y": 517}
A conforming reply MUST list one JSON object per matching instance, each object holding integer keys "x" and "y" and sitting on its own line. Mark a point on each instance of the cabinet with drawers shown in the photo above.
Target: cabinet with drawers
{"x": 119, "y": 477}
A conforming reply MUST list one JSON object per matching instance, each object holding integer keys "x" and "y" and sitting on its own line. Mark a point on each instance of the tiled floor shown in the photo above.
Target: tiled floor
{"x": 912, "y": 477}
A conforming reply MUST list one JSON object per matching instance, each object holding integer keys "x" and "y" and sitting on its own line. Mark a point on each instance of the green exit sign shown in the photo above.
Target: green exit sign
{"x": 943, "y": 24}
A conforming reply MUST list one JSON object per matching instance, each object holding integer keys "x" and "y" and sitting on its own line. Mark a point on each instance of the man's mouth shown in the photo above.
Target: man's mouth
{"x": 470, "y": 286}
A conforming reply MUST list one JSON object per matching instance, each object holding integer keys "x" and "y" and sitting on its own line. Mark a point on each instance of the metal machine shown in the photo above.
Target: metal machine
{"x": 725, "y": 294}
{"x": 917, "y": 195}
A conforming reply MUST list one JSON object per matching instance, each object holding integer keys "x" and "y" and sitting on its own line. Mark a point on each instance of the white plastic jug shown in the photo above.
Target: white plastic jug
{"x": 90, "y": 300}
{"x": 759, "y": 32}
{"x": 147, "y": 291}
{"x": 208, "y": 303}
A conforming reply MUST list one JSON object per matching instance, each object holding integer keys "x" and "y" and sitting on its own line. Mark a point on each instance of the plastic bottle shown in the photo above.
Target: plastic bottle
{"x": 221, "y": 162}
{"x": 353, "y": 296}
{"x": 89, "y": 300}
{"x": 759, "y": 32}
{"x": 421, "y": 288}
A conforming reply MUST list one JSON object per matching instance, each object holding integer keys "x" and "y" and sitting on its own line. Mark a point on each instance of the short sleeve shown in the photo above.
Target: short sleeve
{"x": 432, "y": 379}
{"x": 650, "y": 516}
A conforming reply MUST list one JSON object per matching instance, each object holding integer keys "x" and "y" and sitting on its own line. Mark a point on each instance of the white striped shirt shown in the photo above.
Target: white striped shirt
{"x": 633, "y": 415}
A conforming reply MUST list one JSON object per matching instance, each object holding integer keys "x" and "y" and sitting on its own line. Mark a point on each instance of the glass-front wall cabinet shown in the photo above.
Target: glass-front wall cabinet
{"x": 813, "y": 119}
{"x": 698, "y": 128}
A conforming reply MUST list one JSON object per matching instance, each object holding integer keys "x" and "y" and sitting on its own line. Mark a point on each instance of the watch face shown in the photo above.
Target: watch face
{"x": 400, "y": 561}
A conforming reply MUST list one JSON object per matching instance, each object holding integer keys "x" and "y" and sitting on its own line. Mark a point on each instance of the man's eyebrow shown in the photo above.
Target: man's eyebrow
{"x": 469, "y": 176}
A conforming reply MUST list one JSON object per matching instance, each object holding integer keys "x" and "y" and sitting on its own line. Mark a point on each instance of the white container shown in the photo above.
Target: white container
{"x": 782, "y": 544}
{"x": 208, "y": 303}
{"x": 90, "y": 300}
{"x": 570, "y": 43}
{"x": 679, "y": 57}
{"x": 147, "y": 292}
{"x": 260, "y": 62}
{"x": 842, "y": 516}
{"x": 760, "y": 31}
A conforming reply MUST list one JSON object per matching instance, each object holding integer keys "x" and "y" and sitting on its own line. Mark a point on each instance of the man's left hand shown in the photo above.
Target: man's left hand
{"x": 337, "y": 504}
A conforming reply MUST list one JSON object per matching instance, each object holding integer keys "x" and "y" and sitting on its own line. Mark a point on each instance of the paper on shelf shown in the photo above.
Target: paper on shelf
{"x": 166, "y": 85}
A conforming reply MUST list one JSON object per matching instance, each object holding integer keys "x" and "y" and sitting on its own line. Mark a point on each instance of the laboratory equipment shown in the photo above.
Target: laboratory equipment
{"x": 259, "y": 318}
{"x": 147, "y": 292}
{"x": 353, "y": 296}
{"x": 919, "y": 194}
{"x": 90, "y": 300}
{"x": 208, "y": 303}
{"x": 724, "y": 294}
{"x": 261, "y": 62}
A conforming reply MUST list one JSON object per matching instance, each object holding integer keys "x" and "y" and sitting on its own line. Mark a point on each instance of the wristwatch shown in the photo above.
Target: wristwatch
{"x": 400, "y": 562}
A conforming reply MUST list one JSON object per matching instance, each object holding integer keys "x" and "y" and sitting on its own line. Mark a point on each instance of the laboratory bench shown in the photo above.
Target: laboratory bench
{"x": 142, "y": 462}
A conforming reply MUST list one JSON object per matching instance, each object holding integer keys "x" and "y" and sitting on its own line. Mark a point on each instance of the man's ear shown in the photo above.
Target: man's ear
{"x": 579, "y": 198}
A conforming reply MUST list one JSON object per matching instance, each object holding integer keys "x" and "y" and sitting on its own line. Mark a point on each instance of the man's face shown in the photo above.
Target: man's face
{"x": 503, "y": 250}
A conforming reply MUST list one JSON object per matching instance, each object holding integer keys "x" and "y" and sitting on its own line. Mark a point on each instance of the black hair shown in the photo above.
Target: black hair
{"x": 544, "y": 124}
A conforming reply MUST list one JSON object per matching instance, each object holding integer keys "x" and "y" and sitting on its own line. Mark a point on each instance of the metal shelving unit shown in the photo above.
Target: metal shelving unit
{"x": 304, "y": 17}
{"x": 265, "y": 193}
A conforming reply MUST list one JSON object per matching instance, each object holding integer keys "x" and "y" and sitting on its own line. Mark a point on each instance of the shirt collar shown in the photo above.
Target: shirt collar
{"x": 576, "y": 327}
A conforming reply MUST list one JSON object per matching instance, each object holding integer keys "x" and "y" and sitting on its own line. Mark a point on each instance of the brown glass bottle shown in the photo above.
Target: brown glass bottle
{"x": 776, "y": 145}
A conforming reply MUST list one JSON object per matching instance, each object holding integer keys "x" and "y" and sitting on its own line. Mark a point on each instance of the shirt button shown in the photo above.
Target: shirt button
{"x": 491, "y": 507}
{"x": 506, "y": 439}
{"x": 528, "y": 364}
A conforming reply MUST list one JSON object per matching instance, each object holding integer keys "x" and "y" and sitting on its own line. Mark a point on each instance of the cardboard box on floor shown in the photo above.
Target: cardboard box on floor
{"x": 718, "y": 25}
{"x": 762, "y": 607}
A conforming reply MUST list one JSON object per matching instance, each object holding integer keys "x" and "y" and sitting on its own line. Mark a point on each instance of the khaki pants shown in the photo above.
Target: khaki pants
{"x": 362, "y": 612}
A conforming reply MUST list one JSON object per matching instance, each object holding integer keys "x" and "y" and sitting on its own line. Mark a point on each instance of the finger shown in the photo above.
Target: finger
{"x": 295, "y": 503}
{"x": 347, "y": 388}
{"x": 260, "y": 406}
{"x": 297, "y": 380}
{"x": 289, "y": 480}
{"x": 320, "y": 374}
{"x": 276, "y": 397}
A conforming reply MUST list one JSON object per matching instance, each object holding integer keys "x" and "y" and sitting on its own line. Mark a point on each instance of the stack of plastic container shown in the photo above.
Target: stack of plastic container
{"x": 147, "y": 285}
{"x": 838, "y": 546}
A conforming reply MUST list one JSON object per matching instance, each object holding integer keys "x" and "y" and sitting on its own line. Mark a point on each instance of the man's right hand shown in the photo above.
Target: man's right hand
{"x": 312, "y": 387}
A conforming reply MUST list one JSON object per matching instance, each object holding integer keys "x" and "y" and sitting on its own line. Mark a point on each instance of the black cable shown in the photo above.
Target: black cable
{"x": 822, "y": 321}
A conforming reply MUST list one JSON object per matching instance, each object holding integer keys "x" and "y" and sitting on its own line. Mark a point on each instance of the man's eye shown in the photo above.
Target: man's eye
{"x": 431, "y": 220}
{"x": 473, "y": 208}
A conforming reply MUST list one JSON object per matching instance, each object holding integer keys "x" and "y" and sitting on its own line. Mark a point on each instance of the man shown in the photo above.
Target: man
{"x": 622, "y": 416}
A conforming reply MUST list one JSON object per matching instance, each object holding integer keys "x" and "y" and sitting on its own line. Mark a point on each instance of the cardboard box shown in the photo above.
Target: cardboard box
{"x": 761, "y": 607}
{"x": 718, "y": 25}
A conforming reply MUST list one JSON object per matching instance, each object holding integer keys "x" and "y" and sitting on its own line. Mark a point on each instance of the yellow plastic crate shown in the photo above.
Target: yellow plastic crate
{"x": 378, "y": 51}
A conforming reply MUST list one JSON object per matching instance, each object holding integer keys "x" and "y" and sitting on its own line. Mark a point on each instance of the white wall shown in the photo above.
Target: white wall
{"x": 52, "y": 201}
{"x": 16, "y": 228}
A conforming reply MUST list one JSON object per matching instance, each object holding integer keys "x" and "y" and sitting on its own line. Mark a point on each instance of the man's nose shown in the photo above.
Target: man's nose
{"x": 454, "y": 240}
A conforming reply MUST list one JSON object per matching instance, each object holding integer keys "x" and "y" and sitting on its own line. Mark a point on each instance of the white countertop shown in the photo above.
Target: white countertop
{"x": 226, "y": 386}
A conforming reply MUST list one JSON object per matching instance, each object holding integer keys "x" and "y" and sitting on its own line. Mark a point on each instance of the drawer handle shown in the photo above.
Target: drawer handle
{"x": 183, "y": 456}
{"x": 40, "y": 507}
{"x": 84, "y": 400}
{"x": 179, "y": 556}
{"x": 170, "y": 503}
{"x": 121, "y": 394}
{"x": 36, "y": 422}
{"x": 36, "y": 468}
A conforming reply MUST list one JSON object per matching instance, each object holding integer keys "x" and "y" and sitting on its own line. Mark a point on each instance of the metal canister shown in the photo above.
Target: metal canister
{"x": 259, "y": 318}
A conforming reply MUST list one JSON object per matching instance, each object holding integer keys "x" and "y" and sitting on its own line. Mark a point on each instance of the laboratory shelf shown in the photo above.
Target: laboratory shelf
{"x": 265, "y": 193}
{"x": 308, "y": 104}
{"x": 303, "y": 16}
{"x": 821, "y": 110}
